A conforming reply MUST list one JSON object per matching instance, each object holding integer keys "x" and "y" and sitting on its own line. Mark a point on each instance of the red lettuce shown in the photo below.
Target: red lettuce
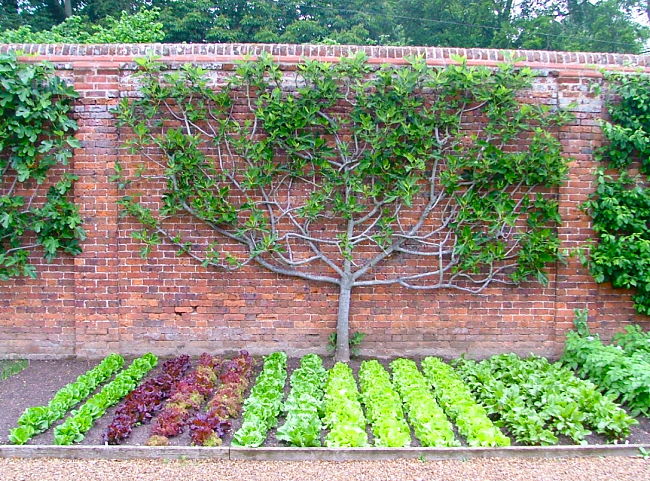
{"x": 188, "y": 396}
{"x": 141, "y": 404}
{"x": 208, "y": 428}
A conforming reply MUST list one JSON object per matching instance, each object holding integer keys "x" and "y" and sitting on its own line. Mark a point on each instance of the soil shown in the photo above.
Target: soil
{"x": 36, "y": 384}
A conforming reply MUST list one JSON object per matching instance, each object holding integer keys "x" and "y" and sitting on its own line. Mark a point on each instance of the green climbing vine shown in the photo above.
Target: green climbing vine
{"x": 36, "y": 134}
{"x": 620, "y": 205}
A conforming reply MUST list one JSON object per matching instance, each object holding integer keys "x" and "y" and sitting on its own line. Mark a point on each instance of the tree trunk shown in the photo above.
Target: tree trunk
{"x": 343, "y": 324}
{"x": 67, "y": 6}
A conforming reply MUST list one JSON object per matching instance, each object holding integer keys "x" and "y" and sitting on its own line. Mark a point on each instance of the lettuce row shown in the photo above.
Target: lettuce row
{"x": 37, "y": 419}
{"x": 383, "y": 406}
{"x": 343, "y": 413}
{"x": 507, "y": 403}
{"x": 305, "y": 404}
{"x": 73, "y": 429}
{"x": 458, "y": 403}
{"x": 262, "y": 407}
{"x": 431, "y": 426}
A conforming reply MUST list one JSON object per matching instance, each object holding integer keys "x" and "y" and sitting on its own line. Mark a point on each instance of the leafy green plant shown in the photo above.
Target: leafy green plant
{"x": 11, "y": 368}
{"x": 431, "y": 426}
{"x": 36, "y": 134}
{"x": 622, "y": 376}
{"x": 130, "y": 27}
{"x": 344, "y": 416}
{"x": 458, "y": 403}
{"x": 73, "y": 429}
{"x": 304, "y": 405}
{"x": 354, "y": 342}
{"x": 35, "y": 420}
{"x": 537, "y": 400}
{"x": 263, "y": 405}
{"x": 336, "y": 169}
{"x": 620, "y": 205}
{"x": 633, "y": 340}
{"x": 383, "y": 406}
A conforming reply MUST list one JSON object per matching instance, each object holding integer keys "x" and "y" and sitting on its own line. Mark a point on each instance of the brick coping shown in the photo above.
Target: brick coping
{"x": 292, "y": 53}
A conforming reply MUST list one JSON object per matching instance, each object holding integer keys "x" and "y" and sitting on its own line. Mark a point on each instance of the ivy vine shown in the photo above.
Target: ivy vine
{"x": 620, "y": 205}
{"x": 36, "y": 134}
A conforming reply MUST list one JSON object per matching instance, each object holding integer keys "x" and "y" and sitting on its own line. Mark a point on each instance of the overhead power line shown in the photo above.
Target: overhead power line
{"x": 466, "y": 24}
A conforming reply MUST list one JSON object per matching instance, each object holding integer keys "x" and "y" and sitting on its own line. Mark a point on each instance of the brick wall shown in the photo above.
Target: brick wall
{"x": 108, "y": 299}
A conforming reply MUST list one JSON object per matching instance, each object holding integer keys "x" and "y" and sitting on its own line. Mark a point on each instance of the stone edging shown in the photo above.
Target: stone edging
{"x": 324, "y": 454}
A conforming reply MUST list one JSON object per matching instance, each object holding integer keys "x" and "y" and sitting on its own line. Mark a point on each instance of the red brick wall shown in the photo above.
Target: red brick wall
{"x": 108, "y": 299}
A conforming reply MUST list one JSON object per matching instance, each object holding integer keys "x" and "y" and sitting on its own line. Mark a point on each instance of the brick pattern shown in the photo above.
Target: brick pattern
{"x": 108, "y": 299}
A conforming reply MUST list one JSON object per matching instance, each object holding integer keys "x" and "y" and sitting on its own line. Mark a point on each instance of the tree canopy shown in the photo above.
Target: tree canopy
{"x": 596, "y": 25}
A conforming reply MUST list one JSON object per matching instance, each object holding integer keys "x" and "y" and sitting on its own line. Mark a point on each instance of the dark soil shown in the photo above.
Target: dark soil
{"x": 36, "y": 384}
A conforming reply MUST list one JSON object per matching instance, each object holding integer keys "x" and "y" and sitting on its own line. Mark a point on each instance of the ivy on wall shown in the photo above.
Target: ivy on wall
{"x": 620, "y": 206}
{"x": 36, "y": 134}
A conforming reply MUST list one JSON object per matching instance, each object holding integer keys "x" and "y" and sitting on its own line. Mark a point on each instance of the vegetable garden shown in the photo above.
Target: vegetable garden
{"x": 590, "y": 396}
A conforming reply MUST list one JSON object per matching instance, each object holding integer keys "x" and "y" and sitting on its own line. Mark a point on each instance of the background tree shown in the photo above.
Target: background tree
{"x": 598, "y": 25}
{"x": 344, "y": 175}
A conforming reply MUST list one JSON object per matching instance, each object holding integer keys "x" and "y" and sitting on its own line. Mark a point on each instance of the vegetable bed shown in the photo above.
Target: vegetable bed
{"x": 311, "y": 402}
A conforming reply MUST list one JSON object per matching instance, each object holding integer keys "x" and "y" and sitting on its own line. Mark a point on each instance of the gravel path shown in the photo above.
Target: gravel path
{"x": 587, "y": 469}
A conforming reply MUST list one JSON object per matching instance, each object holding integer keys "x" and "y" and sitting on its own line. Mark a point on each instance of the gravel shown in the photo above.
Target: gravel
{"x": 511, "y": 469}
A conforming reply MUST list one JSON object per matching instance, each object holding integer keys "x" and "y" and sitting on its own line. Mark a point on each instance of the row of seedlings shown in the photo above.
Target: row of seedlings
{"x": 459, "y": 405}
{"x": 74, "y": 428}
{"x": 383, "y": 406}
{"x": 537, "y": 400}
{"x": 141, "y": 404}
{"x": 209, "y": 428}
{"x": 343, "y": 414}
{"x": 190, "y": 394}
{"x": 430, "y": 425}
{"x": 263, "y": 405}
{"x": 304, "y": 405}
{"x": 37, "y": 419}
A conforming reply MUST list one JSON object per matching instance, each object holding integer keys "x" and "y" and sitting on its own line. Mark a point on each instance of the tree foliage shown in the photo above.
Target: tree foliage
{"x": 335, "y": 170}
{"x": 596, "y": 25}
{"x": 620, "y": 207}
{"x": 139, "y": 27}
{"x": 36, "y": 134}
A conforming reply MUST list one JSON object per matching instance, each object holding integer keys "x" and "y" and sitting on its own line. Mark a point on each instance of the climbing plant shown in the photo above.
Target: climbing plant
{"x": 620, "y": 205}
{"x": 36, "y": 134}
{"x": 349, "y": 174}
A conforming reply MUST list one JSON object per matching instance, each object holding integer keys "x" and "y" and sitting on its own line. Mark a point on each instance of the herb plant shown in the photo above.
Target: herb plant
{"x": 621, "y": 375}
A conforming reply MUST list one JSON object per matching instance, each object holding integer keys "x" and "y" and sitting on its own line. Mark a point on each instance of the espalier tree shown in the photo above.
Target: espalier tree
{"x": 36, "y": 134}
{"x": 333, "y": 171}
